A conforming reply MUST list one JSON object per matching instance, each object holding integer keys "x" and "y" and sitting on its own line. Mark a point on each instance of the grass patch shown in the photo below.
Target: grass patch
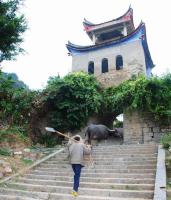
{"x": 169, "y": 184}
{"x": 168, "y": 168}
{"x": 14, "y": 169}
{"x": 166, "y": 143}
{"x": 166, "y": 140}
{"x": 5, "y": 152}
{"x": 13, "y": 134}
{"x": 27, "y": 161}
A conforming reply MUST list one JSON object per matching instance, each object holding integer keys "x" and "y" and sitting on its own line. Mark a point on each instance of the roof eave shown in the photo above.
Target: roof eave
{"x": 79, "y": 48}
{"x": 89, "y": 24}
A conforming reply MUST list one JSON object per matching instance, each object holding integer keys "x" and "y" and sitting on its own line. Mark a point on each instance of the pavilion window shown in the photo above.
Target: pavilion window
{"x": 119, "y": 62}
{"x": 104, "y": 65}
{"x": 91, "y": 67}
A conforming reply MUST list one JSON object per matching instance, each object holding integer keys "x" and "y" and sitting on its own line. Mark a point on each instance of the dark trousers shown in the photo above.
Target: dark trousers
{"x": 77, "y": 172}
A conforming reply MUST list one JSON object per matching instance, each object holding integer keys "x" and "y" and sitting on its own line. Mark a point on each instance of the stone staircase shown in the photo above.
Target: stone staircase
{"x": 119, "y": 172}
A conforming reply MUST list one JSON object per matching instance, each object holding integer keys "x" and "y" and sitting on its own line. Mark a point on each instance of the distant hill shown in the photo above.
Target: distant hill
{"x": 18, "y": 83}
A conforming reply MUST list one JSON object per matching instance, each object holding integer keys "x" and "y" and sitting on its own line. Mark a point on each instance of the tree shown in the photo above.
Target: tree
{"x": 72, "y": 100}
{"x": 15, "y": 102}
{"x": 12, "y": 26}
{"x": 17, "y": 83}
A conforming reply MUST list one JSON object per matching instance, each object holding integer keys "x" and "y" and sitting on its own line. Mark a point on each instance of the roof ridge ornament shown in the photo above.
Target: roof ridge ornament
{"x": 87, "y": 23}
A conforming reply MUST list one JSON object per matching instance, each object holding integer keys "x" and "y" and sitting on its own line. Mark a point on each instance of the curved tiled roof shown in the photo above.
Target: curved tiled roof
{"x": 77, "y": 48}
{"x": 137, "y": 34}
{"x": 127, "y": 16}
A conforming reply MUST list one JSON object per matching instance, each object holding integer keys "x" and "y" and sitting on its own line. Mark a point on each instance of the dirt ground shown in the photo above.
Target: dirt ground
{"x": 13, "y": 156}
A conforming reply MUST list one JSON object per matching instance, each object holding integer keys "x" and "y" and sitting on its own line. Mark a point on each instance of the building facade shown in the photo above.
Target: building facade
{"x": 119, "y": 51}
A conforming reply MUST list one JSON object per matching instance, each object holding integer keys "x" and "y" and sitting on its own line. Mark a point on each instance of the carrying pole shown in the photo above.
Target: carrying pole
{"x": 69, "y": 138}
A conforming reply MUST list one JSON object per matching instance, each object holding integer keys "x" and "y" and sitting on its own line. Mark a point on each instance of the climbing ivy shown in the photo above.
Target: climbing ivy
{"x": 76, "y": 97}
{"x": 72, "y": 100}
{"x": 148, "y": 95}
{"x": 68, "y": 102}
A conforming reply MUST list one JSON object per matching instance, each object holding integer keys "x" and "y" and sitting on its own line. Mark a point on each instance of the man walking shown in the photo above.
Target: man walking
{"x": 77, "y": 150}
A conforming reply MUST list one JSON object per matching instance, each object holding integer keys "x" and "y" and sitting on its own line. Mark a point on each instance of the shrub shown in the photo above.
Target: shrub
{"x": 5, "y": 152}
{"x": 72, "y": 100}
{"x": 166, "y": 141}
{"x": 13, "y": 134}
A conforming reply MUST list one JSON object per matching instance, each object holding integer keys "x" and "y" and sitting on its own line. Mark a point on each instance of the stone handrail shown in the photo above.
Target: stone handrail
{"x": 160, "y": 182}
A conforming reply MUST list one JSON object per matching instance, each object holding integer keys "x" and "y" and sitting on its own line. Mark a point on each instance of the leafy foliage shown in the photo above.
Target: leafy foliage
{"x": 5, "y": 152}
{"x": 148, "y": 95}
{"x": 15, "y": 103}
{"x": 118, "y": 124}
{"x": 12, "y": 26}
{"x": 49, "y": 140}
{"x": 166, "y": 141}
{"x": 72, "y": 100}
{"x": 67, "y": 103}
{"x": 16, "y": 82}
{"x": 13, "y": 134}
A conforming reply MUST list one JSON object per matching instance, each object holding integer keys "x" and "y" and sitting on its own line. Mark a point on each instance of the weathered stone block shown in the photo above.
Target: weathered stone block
{"x": 156, "y": 129}
{"x": 146, "y": 130}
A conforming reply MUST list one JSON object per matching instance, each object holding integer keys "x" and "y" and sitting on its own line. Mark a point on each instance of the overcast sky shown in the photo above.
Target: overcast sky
{"x": 52, "y": 23}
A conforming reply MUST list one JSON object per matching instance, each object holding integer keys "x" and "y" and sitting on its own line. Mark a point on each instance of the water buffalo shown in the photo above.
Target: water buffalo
{"x": 100, "y": 132}
{"x": 118, "y": 132}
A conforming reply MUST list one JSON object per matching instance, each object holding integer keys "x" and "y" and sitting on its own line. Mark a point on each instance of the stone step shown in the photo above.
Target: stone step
{"x": 123, "y": 150}
{"x": 142, "y": 156}
{"x": 115, "y": 153}
{"x": 129, "y": 155}
{"x": 128, "y": 180}
{"x": 124, "y": 146}
{"x": 119, "y": 172}
{"x": 92, "y": 173}
{"x": 22, "y": 193}
{"x": 96, "y": 174}
{"x": 107, "y": 159}
{"x": 55, "y": 196}
{"x": 11, "y": 197}
{"x": 113, "y": 150}
{"x": 86, "y": 191}
{"x": 120, "y": 186}
{"x": 100, "y": 170}
{"x": 109, "y": 166}
{"x": 10, "y": 194}
{"x": 131, "y": 146}
{"x": 106, "y": 162}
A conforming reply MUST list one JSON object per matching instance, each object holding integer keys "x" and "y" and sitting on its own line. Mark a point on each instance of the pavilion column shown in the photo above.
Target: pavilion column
{"x": 94, "y": 39}
{"x": 125, "y": 30}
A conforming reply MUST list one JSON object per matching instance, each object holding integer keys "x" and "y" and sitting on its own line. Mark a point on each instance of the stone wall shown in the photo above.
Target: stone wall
{"x": 116, "y": 77}
{"x": 133, "y": 62}
{"x": 141, "y": 128}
